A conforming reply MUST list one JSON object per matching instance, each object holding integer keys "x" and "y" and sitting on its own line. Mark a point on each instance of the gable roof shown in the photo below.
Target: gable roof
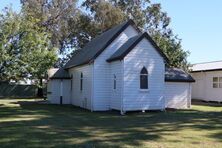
{"x": 61, "y": 74}
{"x": 130, "y": 44}
{"x": 207, "y": 66}
{"x": 177, "y": 75}
{"x": 97, "y": 45}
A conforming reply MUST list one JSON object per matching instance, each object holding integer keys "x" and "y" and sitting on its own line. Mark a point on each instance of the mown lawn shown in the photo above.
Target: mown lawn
{"x": 25, "y": 123}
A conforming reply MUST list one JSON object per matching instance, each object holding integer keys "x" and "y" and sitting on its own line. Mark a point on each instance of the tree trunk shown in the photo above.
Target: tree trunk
{"x": 40, "y": 89}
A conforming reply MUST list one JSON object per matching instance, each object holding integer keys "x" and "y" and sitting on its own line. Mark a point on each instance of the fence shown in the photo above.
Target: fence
{"x": 17, "y": 91}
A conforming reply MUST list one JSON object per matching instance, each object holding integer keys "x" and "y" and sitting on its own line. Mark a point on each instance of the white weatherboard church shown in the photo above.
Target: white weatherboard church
{"x": 121, "y": 69}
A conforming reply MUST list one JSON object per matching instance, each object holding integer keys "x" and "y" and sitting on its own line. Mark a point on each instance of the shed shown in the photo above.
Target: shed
{"x": 208, "y": 85}
{"x": 59, "y": 86}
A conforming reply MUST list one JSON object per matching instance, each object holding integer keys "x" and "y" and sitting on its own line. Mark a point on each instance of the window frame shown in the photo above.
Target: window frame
{"x": 114, "y": 82}
{"x": 144, "y": 76}
{"x": 71, "y": 82}
{"x": 81, "y": 81}
{"x": 217, "y": 82}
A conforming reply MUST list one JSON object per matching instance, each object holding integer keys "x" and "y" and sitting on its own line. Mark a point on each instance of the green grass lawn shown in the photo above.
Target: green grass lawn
{"x": 25, "y": 123}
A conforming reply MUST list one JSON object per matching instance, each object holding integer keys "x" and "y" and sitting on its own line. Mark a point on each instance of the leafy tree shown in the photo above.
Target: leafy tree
{"x": 25, "y": 48}
{"x": 148, "y": 16}
{"x": 67, "y": 24}
{"x": 8, "y": 31}
{"x": 55, "y": 15}
{"x": 72, "y": 27}
{"x": 171, "y": 46}
{"x": 104, "y": 14}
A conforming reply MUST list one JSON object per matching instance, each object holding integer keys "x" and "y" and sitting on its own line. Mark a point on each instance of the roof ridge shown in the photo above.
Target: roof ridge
{"x": 97, "y": 45}
{"x": 127, "y": 47}
{"x": 207, "y": 62}
{"x": 109, "y": 29}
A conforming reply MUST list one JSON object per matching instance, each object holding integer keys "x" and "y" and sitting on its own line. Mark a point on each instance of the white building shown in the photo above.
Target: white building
{"x": 121, "y": 69}
{"x": 208, "y": 85}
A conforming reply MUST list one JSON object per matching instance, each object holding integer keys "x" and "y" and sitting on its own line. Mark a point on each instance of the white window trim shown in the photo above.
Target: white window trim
{"x": 146, "y": 89}
{"x": 218, "y": 82}
{"x": 114, "y": 82}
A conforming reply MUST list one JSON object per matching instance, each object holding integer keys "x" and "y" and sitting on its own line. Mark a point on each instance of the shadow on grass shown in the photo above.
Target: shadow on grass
{"x": 33, "y": 125}
{"x": 205, "y": 103}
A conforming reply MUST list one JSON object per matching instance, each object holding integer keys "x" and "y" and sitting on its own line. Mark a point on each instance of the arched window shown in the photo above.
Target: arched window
{"x": 114, "y": 81}
{"x": 144, "y": 78}
{"x": 81, "y": 81}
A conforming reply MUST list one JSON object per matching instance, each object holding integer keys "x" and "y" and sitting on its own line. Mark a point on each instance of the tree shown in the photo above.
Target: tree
{"x": 72, "y": 27}
{"x": 148, "y": 16}
{"x": 8, "y": 32}
{"x": 171, "y": 46}
{"x": 104, "y": 14}
{"x": 25, "y": 47}
{"x": 64, "y": 21}
{"x": 55, "y": 15}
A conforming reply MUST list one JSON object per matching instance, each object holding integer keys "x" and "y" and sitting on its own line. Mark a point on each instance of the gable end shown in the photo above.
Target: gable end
{"x": 130, "y": 22}
{"x": 124, "y": 49}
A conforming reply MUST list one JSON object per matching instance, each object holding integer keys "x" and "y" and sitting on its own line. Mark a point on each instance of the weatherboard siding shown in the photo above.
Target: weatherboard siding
{"x": 54, "y": 90}
{"x": 82, "y": 97}
{"x": 203, "y": 87}
{"x": 102, "y": 69}
{"x": 143, "y": 55}
{"x": 177, "y": 95}
{"x": 116, "y": 94}
{"x": 199, "y": 91}
{"x": 98, "y": 93}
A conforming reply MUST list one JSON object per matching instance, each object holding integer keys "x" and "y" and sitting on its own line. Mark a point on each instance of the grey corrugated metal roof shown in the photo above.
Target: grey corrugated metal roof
{"x": 130, "y": 44}
{"x": 61, "y": 74}
{"x": 177, "y": 75}
{"x": 171, "y": 75}
{"x": 92, "y": 49}
{"x": 207, "y": 66}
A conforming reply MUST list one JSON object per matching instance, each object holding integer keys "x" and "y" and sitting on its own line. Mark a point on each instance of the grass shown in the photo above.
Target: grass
{"x": 26, "y": 123}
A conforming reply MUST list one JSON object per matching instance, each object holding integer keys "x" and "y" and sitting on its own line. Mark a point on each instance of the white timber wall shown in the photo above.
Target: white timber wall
{"x": 203, "y": 87}
{"x": 49, "y": 90}
{"x": 198, "y": 91}
{"x": 102, "y": 83}
{"x": 143, "y": 55}
{"x": 55, "y": 90}
{"x": 116, "y": 94}
{"x": 82, "y": 98}
{"x": 177, "y": 95}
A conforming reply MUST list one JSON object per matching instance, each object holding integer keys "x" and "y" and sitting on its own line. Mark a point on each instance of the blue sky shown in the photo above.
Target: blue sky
{"x": 197, "y": 22}
{"x": 15, "y": 4}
